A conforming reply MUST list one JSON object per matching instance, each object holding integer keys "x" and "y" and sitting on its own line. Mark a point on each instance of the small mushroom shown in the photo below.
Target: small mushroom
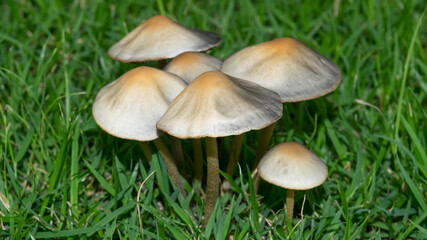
{"x": 189, "y": 65}
{"x": 292, "y": 166}
{"x": 217, "y": 105}
{"x": 161, "y": 38}
{"x": 130, "y": 106}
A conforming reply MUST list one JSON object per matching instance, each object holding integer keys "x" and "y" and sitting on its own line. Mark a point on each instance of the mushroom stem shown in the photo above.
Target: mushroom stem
{"x": 234, "y": 155}
{"x": 176, "y": 148}
{"x": 198, "y": 159}
{"x": 146, "y": 150}
{"x": 161, "y": 63}
{"x": 257, "y": 181}
{"x": 266, "y": 134}
{"x": 212, "y": 178}
{"x": 290, "y": 204}
{"x": 170, "y": 165}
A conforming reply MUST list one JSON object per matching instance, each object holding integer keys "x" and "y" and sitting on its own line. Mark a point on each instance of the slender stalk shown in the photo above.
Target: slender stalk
{"x": 257, "y": 181}
{"x": 266, "y": 134}
{"x": 290, "y": 204}
{"x": 234, "y": 155}
{"x": 198, "y": 159}
{"x": 146, "y": 150}
{"x": 176, "y": 147}
{"x": 212, "y": 178}
{"x": 170, "y": 165}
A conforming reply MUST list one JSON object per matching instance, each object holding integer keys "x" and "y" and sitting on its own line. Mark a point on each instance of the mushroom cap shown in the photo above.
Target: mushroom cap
{"x": 161, "y": 38}
{"x": 189, "y": 65}
{"x": 286, "y": 66}
{"x": 217, "y": 105}
{"x": 130, "y": 106}
{"x": 292, "y": 166}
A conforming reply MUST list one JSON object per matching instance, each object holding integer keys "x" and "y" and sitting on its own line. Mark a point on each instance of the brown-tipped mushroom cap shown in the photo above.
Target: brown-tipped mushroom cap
{"x": 161, "y": 38}
{"x": 217, "y": 105}
{"x": 189, "y": 65}
{"x": 292, "y": 166}
{"x": 130, "y": 106}
{"x": 286, "y": 66}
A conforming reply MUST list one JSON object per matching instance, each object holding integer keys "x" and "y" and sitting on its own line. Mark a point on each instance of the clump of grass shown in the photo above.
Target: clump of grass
{"x": 61, "y": 176}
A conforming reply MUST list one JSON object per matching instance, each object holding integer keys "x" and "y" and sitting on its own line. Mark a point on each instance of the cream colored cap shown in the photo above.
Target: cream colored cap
{"x": 161, "y": 38}
{"x": 130, "y": 106}
{"x": 217, "y": 105}
{"x": 189, "y": 65}
{"x": 292, "y": 166}
{"x": 286, "y": 66}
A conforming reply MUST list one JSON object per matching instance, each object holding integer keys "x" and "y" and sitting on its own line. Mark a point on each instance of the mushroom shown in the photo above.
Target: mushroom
{"x": 286, "y": 66}
{"x": 130, "y": 106}
{"x": 160, "y": 38}
{"x": 292, "y": 166}
{"x": 217, "y": 105}
{"x": 189, "y": 65}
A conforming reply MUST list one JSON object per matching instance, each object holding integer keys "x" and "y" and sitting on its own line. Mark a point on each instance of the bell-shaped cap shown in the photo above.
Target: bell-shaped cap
{"x": 217, "y": 105}
{"x": 292, "y": 166}
{"x": 161, "y": 38}
{"x": 130, "y": 106}
{"x": 189, "y": 65}
{"x": 286, "y": 66}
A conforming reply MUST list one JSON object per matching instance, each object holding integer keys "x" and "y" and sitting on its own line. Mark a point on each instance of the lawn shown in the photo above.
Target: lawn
{"x": 63, "y": 177}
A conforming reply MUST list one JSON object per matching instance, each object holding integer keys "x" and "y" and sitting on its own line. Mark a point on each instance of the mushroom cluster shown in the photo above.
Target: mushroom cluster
{"x": 199, "y": 96}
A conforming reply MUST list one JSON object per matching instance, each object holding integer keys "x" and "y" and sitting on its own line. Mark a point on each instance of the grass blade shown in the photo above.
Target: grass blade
{"x": 405, "y": 76}
{"x": 74, "y": 173}
{"x": 100, "y": 178}
{"x": 67, "y": 233}
{"x": 418, "y": 195}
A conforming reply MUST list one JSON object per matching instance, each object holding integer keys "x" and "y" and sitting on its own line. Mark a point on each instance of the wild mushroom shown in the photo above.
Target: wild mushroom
{"x": 286, "y": 66}
{"x": 130, "y": 106}
{"x": 189, "y": 65}
{"x": 161, "y": 38}
{"x": 216, "y": 105}
{"x": 292, "y": 166}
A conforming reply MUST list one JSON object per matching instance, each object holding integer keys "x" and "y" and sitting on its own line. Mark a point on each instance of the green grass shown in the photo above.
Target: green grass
{"x": 61, "y": 176}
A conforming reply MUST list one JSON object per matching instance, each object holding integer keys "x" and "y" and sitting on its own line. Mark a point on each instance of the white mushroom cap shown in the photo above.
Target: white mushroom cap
{"x": 286, "y": 66}
{"x": 189, "y": 65}
{"x": 130, "y": 106}
{"x": 161, "y": 38}
{"x": 292, "y": 166}
{"x": 217, "y": 105}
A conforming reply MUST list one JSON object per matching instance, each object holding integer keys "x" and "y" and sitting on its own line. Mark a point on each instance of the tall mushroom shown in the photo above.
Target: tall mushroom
{"x": 286, "y": 66}
{"x": 130, "y": 106}
{"x": 217, "y": 105}
{"x": 188, "y": 66}
{"x": 292, "y": 166}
